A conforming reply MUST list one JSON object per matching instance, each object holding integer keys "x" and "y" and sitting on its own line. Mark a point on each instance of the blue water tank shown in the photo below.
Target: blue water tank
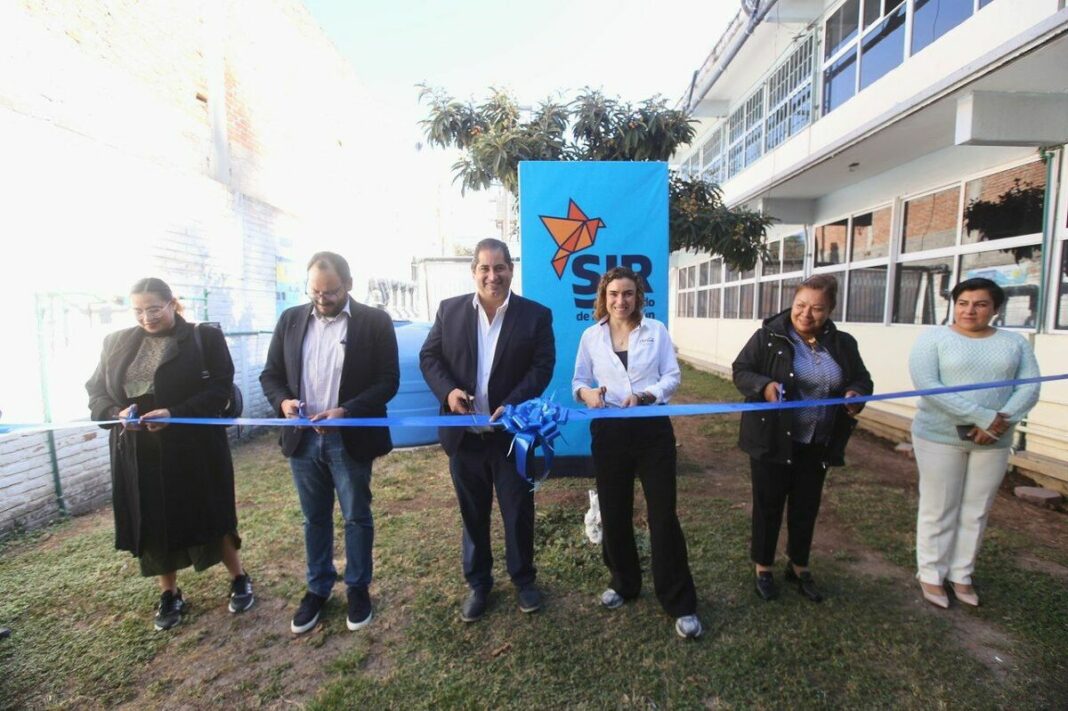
{"x": 413, "y": 398}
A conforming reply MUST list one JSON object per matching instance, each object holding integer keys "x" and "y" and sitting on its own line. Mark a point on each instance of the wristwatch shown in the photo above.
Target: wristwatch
{"x": 646, "y": 398}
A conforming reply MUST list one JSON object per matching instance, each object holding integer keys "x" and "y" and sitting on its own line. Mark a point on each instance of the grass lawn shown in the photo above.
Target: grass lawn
{"x": 82, "y": 633}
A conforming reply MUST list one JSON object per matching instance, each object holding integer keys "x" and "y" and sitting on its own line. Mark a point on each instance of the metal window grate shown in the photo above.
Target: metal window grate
{"x": 791, "y": 74}
{"x": 790, "y": 95}
{"x": 712, "y": 147}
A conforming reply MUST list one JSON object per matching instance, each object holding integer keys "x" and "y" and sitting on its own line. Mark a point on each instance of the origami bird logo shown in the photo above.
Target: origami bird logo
{"x": 573, "y": 233}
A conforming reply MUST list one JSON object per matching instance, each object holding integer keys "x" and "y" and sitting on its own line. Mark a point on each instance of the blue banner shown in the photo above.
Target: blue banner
{"x": 578, "y": 220}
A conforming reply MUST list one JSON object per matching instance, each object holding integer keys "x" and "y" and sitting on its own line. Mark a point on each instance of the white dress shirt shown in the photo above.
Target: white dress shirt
{"x": 651, "y": 363}
{"x": 488, "y": 334}
{"x": 323, "y": 357}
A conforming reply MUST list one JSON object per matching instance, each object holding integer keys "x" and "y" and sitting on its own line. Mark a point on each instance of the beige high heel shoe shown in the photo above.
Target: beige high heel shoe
{"x": 934, "y": 598}
{"x": 968, "y": 598}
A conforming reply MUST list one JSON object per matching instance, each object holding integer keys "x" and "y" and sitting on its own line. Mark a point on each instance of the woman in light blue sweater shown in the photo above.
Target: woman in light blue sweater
{"x": 961, "y": 440}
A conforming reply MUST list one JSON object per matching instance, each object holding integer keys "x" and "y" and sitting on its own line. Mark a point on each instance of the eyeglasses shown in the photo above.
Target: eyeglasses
{"x": 327, "y": 295}
{"x": 150, "y": 312}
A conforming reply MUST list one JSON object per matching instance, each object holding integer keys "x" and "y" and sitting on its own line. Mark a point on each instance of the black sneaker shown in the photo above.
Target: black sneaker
{"x": 806, "y": 585}
{"x": 474, "y": 606}
{"x": 241, "y": 593}
{"x": 308, "y": 613}
{"x": 529, "y": 598}
{"x": 170, "y": 610}
{"x": 360, "y": 612}
{"x": 765, "y": 585}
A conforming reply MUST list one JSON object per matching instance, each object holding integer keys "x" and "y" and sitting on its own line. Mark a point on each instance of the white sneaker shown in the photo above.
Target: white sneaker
{"x": 689, "y": 627}
{"x": 611, "y": 599}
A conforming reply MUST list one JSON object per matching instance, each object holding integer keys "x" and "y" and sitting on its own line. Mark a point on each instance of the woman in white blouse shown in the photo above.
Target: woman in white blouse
{"x": 626, "y": 360}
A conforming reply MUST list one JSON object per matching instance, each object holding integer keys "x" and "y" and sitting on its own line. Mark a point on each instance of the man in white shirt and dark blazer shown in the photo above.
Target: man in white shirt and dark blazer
{"x": 333, "y": 358}
{"x": 486, "y": 350}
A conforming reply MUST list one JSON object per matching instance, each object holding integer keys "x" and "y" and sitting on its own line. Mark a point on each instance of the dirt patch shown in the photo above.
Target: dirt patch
{"x": 222, "y": 659}
{"x": 725, "y": 474}
{"x": 1028, "y": 561}
{"x": 253, "y": 659}
{"x": 58, "y": 534}
{"x": 412, "y": 505}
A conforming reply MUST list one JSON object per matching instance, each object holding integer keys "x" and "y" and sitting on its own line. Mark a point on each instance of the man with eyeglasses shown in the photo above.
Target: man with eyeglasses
{"x": 333, "y": 358}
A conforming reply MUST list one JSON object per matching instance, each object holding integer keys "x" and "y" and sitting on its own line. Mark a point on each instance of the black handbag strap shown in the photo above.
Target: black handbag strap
{"x": 205, "y": 374}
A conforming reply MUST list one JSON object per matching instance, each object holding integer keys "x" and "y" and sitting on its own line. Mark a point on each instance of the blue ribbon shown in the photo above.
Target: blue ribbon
{"x": 533, "y": 423}
{"x": 561, "y": 413}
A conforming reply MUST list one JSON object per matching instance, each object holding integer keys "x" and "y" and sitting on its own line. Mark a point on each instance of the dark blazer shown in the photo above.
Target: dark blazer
{"x": 369, "y": 378}
{"x": 768, "y": 357}
{"x": 194, "y": 469}
{"x": 522, "y": 364}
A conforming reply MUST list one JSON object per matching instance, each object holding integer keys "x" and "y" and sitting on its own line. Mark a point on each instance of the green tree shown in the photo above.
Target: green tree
{"x": 494, "y": 136}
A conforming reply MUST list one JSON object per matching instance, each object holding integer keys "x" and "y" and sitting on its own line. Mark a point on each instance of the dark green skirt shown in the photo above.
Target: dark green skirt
{"x": 157, "y": 560}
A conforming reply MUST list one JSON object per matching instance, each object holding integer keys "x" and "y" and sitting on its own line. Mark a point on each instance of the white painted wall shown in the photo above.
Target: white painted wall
{"x": 113, "y": 170}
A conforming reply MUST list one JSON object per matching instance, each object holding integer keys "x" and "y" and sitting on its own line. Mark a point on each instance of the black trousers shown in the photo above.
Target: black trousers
{"x": 478, "y": 467}
{"x": 796, "y": 487}
{"x": 645, "y": 447}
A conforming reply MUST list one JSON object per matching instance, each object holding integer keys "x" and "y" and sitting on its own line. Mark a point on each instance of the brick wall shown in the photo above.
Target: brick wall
{"x": 201, "y": 141}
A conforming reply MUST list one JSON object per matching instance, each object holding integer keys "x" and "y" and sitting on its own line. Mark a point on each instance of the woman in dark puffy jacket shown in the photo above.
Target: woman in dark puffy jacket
{"x": 172, "y": 485}
{"x": 796, "y": 355}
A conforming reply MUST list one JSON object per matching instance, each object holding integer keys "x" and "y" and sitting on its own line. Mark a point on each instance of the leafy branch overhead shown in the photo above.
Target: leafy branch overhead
{"x": 494, "y": 136}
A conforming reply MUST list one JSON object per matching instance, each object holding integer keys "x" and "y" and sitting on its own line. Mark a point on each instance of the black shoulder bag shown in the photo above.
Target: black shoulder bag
{"x": 236, "y": 403}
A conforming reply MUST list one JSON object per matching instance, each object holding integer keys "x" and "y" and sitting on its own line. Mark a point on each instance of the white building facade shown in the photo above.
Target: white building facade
{"x": 903, "y": 145}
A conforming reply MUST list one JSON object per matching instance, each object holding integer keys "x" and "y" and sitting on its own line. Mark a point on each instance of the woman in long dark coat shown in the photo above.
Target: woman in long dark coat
{"x": 172, "y": 485}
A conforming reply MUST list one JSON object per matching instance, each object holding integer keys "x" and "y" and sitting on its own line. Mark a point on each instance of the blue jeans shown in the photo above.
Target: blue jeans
{"x": 321, "y": 467}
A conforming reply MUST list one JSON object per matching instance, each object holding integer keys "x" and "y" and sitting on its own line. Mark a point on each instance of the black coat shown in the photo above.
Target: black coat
{"x": 522, "y": 363}
{"x": 194, "y": 471}
{"x": 370, "y": 375}
{"x": 769, "y": 357}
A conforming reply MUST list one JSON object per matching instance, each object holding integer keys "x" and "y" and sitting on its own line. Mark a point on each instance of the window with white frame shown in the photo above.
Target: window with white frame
{"x": 840, "y": 32}
{"x": 1003, "y": 215}
{"x": 739, "y": 293}
{"x": 840, "y": 28}
{"x": 933, "y": 18}
{"x": 1061, "y": 319}
{"x": 882, "y": 47}
{"x": 762, "y": 122}
{"x": 714, "y": 293}
{"x": 712, "y": 158}
{"x": 686, "y": 297}
{"x": 869, "y": 252}
{"x": 691, "y": 168}
{"x": 829, "y": 243}
{"x": 930, "y": 221}
{"x": 700, "y": 289}
{"x": 735, "y": 141}
{"x": 1059, "y": 276}
{"x": 863, "y": 40}
{"x": 781, "y": 274}
{"x": 922, "y": 290}
{"x": 987, "y": 226}
{"x": 754, "y": 127}
{"x": 790, "y": 95}
{"x": 710, "y": 288}
{"x": 856, "y": 251}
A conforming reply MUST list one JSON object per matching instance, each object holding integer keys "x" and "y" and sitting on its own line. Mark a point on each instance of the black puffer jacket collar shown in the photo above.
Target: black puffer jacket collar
{"x": 768, "y": 357}
{"x": 780, "y": 325}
